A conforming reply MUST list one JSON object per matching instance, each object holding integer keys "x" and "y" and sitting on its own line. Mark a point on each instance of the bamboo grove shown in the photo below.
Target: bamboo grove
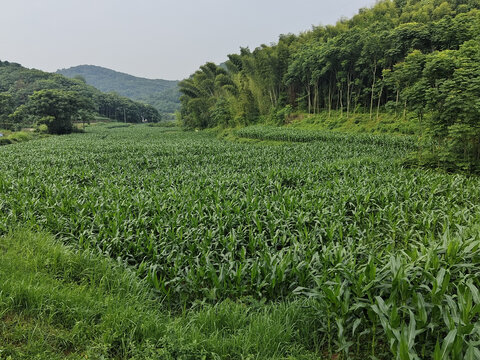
{"x": 414, "y": 59}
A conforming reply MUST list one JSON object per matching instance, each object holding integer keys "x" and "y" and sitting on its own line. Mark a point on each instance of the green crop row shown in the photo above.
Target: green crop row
{"x": 275, "y": 133}
{"x": 388, "y": 254}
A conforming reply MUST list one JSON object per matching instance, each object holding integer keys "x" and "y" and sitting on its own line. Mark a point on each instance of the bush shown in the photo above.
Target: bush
{"x": 77, "y": 129}
{"x": 279, "y": 116}
{"x": 5, "y": 141}
{"x": 20, "y": 136}
{"x": 42, "y": 128}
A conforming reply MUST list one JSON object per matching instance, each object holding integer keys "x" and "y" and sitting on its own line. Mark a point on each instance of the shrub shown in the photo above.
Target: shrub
{"x": 20, "y": 136}
{"x": 42, "y": 128}
{"x": 5, "y": 141}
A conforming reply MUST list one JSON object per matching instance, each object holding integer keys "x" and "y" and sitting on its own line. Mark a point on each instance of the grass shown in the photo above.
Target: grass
{"x": 385, "y": 123}
{"x": 265, "y": 133}
{"x": 16, "y": 137}
{"x": 164, "y": 123}
{"x": 231, "y": 134}
{"x": 57, "y": 303}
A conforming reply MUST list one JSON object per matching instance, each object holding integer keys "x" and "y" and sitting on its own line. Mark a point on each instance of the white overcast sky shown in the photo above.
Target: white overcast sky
{"x": 152, "y": 38}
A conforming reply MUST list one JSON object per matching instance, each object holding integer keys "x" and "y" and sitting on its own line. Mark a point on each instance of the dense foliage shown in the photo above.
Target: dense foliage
{"x": 161, "y": 94}
{"x": 388, "y": 255}
{"x": 29, "y": 97}
{"x": 399, "y": 56}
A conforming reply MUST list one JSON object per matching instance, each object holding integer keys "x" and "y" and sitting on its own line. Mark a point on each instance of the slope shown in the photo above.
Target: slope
{"x": 18, "y": 84}
{"x": 162, "y": 94}
{"x": 58, "y": 303}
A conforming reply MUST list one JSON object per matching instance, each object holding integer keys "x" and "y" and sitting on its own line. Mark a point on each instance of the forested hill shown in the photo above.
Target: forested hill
{"x": 411, "y": 59}
{"x": 30, "y": 97}
{"x": 162, "y": 94}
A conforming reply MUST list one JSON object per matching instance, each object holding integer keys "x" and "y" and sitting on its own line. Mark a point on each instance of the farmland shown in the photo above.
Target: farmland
{"x": 386, "y": 257}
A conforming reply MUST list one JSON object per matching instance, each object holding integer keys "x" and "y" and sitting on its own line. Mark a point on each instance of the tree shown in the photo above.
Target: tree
{"x": 200, "y": 94}
{"x": 409, "y": 83}
{"x": 6, "y": 107}
{"x": 453, "y": 99}
{"x": 80, "y": 78}
{"x": 55, "y": 108}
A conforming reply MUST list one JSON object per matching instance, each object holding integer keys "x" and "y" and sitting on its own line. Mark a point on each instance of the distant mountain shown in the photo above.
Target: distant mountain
{"x": 162, "y": 94}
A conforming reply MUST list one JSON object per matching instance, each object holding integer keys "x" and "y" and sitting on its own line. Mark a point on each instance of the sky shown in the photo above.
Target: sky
{"x": 158, "y": 39}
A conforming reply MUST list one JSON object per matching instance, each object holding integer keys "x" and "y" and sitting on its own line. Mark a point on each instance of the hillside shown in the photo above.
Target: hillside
{"x": 162, "y": 94}
{"x": 30, "y": 97}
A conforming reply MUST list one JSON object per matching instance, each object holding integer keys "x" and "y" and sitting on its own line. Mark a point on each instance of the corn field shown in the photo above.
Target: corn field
{"x": 388, "y": 257}
{"x": 275, "y": 133}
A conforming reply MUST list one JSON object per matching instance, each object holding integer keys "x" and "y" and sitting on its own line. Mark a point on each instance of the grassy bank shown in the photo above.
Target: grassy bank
{"x": 10, "y": 137}
{"x": 56, "y": 303}
{"x": 336, "y": 125}
{"x": 382, "y": 123}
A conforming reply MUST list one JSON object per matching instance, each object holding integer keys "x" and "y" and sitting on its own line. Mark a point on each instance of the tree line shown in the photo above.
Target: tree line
{"x": 418, "y": 57}
{"x": 32, "y": 97}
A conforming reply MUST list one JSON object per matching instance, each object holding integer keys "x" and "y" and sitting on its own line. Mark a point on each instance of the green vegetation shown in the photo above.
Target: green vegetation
{"x": 355, "y": 123}
{"x": 14, "y": 137}
{"x": 262, "y": 132}
{"x": 353, "y": 254}
{"x": 56, "y": 303}
{"x": 31, "y": 98}
{"x": 161, "y": 94}
{"x": 167, "y": 102}
{"x": 53, "y": 108}
{"x": 415, "y": 61}
{"x": 186, "y": 245}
